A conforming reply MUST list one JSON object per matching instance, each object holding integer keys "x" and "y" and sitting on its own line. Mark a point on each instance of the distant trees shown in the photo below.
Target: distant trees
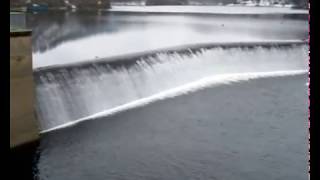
{"x": 300, "y": 3}
{"x": 166, "y": 2}
{"x": 213, "y": 2}
{"x": 297, "y": 3}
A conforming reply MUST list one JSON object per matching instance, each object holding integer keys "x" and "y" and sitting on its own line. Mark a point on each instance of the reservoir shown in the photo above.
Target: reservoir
{"x": 137, "y": 94}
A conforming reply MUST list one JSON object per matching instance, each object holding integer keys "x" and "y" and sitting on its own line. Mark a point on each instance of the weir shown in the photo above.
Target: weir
{"x": 71, "y": 92}
{"x": 130, "y": 59}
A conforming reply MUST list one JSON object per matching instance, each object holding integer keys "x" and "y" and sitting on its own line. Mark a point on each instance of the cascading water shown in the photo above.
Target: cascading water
{"x": 66, "y": 94}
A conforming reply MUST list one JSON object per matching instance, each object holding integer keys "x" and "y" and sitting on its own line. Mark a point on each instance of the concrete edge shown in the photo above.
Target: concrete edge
{"x": 14, "y": 32}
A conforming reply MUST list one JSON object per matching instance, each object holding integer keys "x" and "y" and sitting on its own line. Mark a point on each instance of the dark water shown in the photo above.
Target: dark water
{"x": 249, "y": 130}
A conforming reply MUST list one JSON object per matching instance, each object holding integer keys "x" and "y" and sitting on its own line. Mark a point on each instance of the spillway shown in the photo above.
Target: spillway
{"x": 71, "y": 92}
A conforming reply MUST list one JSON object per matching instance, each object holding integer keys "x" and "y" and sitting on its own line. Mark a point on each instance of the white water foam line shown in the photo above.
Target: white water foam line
{"x": 184, "y": 89}
{"x": 208, "y": 9}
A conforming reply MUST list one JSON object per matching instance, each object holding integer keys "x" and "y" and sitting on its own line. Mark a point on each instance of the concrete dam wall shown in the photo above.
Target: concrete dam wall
{"x": 23, "y": 124}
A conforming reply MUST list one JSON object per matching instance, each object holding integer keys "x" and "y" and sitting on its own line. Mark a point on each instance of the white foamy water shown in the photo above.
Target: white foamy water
{"x": 67, "y": 96}
{"x": 188, "y": 88}
{"x": 209, "y": 9}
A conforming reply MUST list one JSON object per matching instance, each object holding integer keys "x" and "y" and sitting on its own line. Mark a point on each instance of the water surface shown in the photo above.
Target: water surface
{"x": 73, "y": 37}
{"x": 255, "y": 128}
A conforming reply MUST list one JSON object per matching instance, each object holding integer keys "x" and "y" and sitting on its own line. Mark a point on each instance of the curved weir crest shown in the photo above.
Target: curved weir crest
{"x": 188, "y": 88}
{"x": 71, "y": 94}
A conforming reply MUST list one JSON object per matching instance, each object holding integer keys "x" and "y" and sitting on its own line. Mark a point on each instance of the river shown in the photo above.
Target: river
{"x": 133, "y": 94}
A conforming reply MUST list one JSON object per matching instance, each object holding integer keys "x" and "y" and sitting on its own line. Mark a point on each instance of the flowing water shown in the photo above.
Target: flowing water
{"x": 70, "y": 93}
{"x": 80, "y": 86}
{"x": 71, "y": 37}
{"x": 237, "y": 83}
